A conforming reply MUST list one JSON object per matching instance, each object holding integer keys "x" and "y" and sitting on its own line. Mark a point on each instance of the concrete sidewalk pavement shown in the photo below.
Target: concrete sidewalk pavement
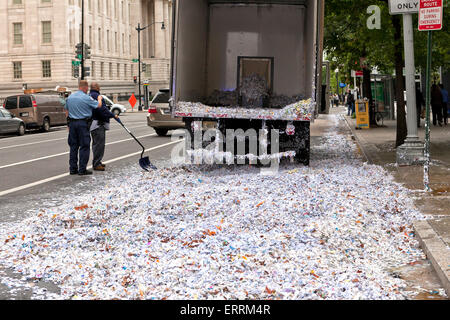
{"x": 378, "y": 146}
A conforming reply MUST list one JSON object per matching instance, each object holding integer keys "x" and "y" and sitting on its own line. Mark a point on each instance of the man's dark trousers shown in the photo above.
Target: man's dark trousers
{"x": 79, "y": 142}
{"x": 98, "y": 145}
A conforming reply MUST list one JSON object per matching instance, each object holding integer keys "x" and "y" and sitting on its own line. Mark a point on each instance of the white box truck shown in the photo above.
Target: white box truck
{"x": 249, "y": 64}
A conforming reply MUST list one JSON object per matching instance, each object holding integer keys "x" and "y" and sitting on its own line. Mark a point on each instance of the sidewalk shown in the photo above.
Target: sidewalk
{"x": 378, "y": 146}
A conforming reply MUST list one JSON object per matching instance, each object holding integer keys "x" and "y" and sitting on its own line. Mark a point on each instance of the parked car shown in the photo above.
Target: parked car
{"x": 115, "y": 108}
{"x": 38, "y": 111}
{"x": 159, "y": 116}
{"x": 10, "y": 124}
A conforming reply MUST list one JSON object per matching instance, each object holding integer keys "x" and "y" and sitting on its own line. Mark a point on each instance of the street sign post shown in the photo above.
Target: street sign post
{"x": 411, "y": 152}
{"x": 430, "y": 18}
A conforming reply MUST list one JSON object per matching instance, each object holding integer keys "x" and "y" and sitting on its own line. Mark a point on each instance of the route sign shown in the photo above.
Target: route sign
{"x": 403, "y": 6}
{"x": 135, "y": 60}
{"x": 430, "y": 15}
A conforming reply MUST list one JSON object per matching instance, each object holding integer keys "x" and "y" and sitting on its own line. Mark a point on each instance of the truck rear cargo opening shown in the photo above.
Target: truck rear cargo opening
{"x": 248, "y": 65}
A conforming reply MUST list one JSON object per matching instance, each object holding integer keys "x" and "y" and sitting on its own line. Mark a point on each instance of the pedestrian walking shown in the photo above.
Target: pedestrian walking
{"x": 100, "y": 124}
{"x": 445, "y": 105}
{"x": 350, "y": 103}
{"x": 79, "y": 107}
{"x": 420, "y": 102}
{"x": 436, "y": 104}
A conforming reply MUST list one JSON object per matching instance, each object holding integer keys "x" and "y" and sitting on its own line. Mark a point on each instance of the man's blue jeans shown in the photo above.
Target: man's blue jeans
{"x": 80, "y": 144}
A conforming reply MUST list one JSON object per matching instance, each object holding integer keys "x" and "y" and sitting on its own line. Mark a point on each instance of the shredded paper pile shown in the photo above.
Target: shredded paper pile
{"x": 329, "y": 231}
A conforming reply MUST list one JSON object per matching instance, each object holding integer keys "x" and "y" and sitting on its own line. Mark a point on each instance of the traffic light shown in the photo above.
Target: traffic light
{"x": 135, "y": 79}
{"x": 87, "y": 52}
{"x": 79, "y": 51}
{"x": 144, "y": 67}
{"x": 76, "y": 71}
{"x": 87, "y": 71}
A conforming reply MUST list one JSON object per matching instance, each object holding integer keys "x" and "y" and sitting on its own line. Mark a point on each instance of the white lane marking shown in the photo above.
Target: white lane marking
{"x": 67, "y": 152}
{"x": 33, "y": 184}
{"x": 65, "y": 138}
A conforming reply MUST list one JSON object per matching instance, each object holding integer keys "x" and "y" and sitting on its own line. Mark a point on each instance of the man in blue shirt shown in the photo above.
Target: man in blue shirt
{"x": 444, "y": 103}
{"x": 79, "y": 107}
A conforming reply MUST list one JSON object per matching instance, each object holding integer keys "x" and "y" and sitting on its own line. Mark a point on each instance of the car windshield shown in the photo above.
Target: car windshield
{"x": 161, "y": 98}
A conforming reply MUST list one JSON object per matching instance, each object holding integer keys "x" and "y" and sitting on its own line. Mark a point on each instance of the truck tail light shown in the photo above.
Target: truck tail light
{"x": 152, "y": 109}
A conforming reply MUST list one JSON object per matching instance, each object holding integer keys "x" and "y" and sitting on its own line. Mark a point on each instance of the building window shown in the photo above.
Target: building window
{"x": 46, "y": 32}
{"x": 110, "y": 70}
{"x": 123, "y": 43}
{"x": 90, "y": 37}
{"x": 18, "y": 34}
{"x": 46, "y": 69}
{"x": 116, "y": 42}
{"x": 46, "y": 1}
{"x": 129, "y": 44}
{"x": 93, "y": 70}
{"x": 124, "y": 71}
{"x": 99, "y": 39}
{"x": 17, "y": 67}
{"x": 102, "y": 70}
{"x": 118, "y": 71}
{"x": 17, "y": 1}
{"x": 90, "y": 5}
{"x": 108, "y": 42}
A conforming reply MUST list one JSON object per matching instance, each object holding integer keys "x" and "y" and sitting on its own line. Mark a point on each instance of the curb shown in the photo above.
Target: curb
{"x": 436, "y": 250}
{"x": 358, "y": 141}
{"x": 434, "y": 247}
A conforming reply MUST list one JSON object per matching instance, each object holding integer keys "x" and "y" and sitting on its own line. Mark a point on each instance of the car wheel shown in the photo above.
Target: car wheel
{"x": 161, "y": 132}
{"x": 46, "y": 125}
{"x": 21, "y": 130}
{"x": 116, "y": 112}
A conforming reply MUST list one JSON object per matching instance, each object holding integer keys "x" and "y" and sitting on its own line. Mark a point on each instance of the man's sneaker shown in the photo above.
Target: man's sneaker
{"x": 99, "y": 168}
{"x": 85, "y": 173}
{"x": 72, "y": 173}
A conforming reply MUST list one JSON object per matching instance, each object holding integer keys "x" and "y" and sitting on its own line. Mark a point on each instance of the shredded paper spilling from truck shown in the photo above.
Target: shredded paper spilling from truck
{"x": 299, "y": 111}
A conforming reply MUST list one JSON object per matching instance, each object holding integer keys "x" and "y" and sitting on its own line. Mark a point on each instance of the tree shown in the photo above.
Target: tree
{"x": 347, "y": 40}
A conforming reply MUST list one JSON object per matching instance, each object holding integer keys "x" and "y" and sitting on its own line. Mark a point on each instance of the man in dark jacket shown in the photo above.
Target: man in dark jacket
{"x": 100, "y": 124}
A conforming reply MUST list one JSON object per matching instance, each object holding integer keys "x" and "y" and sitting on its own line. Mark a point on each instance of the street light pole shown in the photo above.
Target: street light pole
{"x": 139, "y": 29}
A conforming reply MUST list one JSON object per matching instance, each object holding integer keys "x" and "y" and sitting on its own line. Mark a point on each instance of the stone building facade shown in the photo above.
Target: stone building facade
{"x": 38, "y": 38}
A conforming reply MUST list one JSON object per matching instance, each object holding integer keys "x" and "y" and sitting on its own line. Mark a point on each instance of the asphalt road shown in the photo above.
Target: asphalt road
{"x": 36, "y": 165}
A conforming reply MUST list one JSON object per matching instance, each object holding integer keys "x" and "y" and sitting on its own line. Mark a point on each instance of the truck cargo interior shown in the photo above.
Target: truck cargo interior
{"x": 219, "y": 43}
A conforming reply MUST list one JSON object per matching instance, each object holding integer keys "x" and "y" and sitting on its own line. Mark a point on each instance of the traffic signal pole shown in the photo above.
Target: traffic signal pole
{"x": 82, "y": 39}
{"x": 139, "y": 58}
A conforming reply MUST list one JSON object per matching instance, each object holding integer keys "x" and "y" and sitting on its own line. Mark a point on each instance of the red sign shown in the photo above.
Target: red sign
{"x": 359, "y": 74}
{"x": 132, "y": 101}
{"x": 430, "y": 15}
